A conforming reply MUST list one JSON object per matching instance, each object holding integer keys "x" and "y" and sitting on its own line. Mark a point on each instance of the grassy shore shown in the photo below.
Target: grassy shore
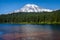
{"x": 40, "y": 23}
{"x": 34, "y": 23}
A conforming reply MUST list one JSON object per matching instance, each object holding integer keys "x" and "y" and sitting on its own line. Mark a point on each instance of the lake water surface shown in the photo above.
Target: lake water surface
{"x": 29, "y": 32}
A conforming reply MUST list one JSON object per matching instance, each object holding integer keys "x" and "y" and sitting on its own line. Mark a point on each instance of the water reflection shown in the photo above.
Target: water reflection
{"x": 27, "y": 32}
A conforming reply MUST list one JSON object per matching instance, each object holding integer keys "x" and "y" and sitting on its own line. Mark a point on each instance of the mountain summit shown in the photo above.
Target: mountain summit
{"x": 32, "y": 8}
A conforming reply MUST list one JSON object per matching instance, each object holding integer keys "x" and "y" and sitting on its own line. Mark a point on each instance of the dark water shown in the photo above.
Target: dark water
{"x": 29, "y": 32}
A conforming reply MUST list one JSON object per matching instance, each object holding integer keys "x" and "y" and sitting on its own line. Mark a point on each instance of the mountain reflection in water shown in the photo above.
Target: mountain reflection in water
{"x": 29, "y": 32}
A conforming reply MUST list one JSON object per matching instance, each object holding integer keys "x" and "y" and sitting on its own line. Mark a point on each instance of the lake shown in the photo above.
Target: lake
{"x": 29, "y": 32}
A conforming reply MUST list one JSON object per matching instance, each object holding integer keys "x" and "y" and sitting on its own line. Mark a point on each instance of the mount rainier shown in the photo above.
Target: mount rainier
{"x": 32, "y": 8}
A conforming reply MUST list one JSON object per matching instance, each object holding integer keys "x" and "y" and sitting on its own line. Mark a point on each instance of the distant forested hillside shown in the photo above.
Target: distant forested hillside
{"x": 32, "y": 18}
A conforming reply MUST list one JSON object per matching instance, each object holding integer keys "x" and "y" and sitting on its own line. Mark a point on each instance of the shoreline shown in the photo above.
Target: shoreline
{"x": 32, "y": 23}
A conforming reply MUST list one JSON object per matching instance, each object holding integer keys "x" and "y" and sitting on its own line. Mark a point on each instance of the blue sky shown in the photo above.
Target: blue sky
{"x": 7, "y": 6}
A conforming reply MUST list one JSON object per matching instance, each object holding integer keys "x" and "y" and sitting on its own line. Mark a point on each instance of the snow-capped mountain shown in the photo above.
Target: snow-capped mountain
{"x": 32, "y": 8}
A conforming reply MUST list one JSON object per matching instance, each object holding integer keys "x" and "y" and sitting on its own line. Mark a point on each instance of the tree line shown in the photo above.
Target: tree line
{"x": 32, "y": 17}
